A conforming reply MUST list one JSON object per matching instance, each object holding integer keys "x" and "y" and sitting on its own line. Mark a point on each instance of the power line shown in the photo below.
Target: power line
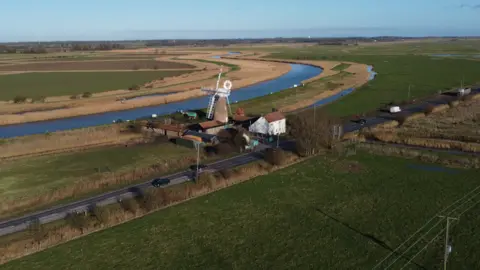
{"x": 424, "y": 247}
{"x": 412, "y": 245}
{"x": 425, "y": 225}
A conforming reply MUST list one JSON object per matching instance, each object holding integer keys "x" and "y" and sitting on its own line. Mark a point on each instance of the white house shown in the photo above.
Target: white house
{"x": 271, "y": 124}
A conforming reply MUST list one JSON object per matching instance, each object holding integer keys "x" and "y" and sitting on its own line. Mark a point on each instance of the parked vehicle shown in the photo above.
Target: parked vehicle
{"x": 158, "y": 182}
{"x": 395, "y": 109}
{"x": 463, "y": 91}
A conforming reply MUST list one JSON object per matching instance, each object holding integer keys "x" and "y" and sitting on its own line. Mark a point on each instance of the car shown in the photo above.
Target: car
{"x": 158, "y": 182}
{"x": 360, "y": 120}
{"x": 200, "y": 167}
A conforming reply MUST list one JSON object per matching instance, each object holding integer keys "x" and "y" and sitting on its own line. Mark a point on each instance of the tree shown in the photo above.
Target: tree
{"x": 19, "y": 99}
{"x": 312, "y": 131}
{"x": 275, "y": 156}
{"x": 86, "y": 95}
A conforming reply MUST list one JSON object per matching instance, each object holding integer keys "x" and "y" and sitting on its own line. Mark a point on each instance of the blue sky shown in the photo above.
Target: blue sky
{"x": 33, "y": 20}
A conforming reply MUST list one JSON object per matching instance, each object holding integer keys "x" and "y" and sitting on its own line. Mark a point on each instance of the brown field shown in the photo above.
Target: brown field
{"x": 456, "y": 127}
{"x": 97, "y": 65}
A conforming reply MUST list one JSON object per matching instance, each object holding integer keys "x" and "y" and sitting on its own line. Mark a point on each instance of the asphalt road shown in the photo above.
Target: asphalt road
{"x": 60, "y": 212}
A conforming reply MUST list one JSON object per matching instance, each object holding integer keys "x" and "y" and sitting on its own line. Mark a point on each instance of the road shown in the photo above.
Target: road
{"x": 60, "y": 212}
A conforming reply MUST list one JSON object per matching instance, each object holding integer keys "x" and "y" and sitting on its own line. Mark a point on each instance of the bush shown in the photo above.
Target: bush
{"x": 429, "y": 109}
{"x": 134, "y": 87}
{"x": 135, "y": 127}
{"x": 73, "y": 97}
{"x": 77, "y": 221}
{"x": 37, "y": 230}
{"x": 100, "y": 213}
{"x": 40, "y": 99}
{"x": 226, "y": 173}
{"x": 86, "y": 95}
{"x": 224, "y": 149}
{"x": 19, "y": 99}
{"x": 129, "y": 205}
{"x": 135, "y": 67}
{"x": 275, "y": 156}
{"x": 155, "y": 67}
{"x": 400, "y": 118}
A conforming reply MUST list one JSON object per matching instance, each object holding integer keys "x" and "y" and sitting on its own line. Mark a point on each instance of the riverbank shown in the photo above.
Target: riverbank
{"x": 249, "y": 73}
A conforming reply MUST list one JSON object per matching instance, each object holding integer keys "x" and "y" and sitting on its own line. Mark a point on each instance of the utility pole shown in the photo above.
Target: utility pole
{"x": 447, "y": 246}
{"x": 197, "y": 145}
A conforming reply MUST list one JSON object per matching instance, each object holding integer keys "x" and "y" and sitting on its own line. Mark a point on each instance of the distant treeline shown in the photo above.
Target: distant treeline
{"x": 63, "y": 47}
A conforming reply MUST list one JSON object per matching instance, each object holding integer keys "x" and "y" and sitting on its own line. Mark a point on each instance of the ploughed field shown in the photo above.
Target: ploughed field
{"x": 97, "y": 65}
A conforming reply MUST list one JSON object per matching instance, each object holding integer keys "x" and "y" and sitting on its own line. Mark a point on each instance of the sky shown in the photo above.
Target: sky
{"x": 48, "y": 20}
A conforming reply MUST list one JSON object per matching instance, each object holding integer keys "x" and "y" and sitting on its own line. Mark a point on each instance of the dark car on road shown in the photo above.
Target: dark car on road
{"x": 200, "y": 167}
{"x": 360, "y": 120}
{"x": 160, "y": 182}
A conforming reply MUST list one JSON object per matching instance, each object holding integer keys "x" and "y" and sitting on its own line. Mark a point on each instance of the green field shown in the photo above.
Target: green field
{"x": 325, "y": 213}
{"x": 70, "y": 83}
{"x": 427, "y": 75}
{"x": 341, "y": 67}
{"x": 28, "y": 177}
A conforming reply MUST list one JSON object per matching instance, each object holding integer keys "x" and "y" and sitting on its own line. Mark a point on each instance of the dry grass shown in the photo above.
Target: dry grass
{"x": 445, "y": 160}
{"x": 63, "y": 141}
{"x": 162, "y": 198}
{"x": 448, "y": 127}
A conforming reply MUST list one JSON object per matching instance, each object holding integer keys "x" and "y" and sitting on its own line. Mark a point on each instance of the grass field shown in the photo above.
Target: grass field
{"x": 289, "y": 96}
{"x": 427, "y": 75}
{"x": 68, "y": 83}
{"x": 24, "y": 177}
{"x": 326, "y": 213}
{"x": 97, "y": 65}
{"x": 341, "y": 67}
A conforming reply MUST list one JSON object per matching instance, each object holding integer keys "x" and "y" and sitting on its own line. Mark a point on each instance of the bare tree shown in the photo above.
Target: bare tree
{"x": 313, "y": 131}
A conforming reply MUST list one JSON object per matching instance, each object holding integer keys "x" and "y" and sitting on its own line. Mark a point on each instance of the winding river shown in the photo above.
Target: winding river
{"x": 296, "y": 75}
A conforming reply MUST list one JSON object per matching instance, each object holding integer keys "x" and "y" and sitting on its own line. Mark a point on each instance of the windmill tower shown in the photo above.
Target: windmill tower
{"x": 219, "y": 105}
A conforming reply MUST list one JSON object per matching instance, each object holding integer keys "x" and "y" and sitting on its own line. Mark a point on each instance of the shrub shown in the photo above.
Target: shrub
{"x": 275, "y": 156}
{"x": 466, "y": 98}
{"x": 77, "y": 221}
{"x": 226, "y": 173}
{"x": 19, "y": 99}
{"x": 429, "y": 109}
{"x": 135, "y": 67}
{"x": 400, "y": 118}
{"x": 73, "y": 97}
{"x": 129, "y": 205}
{"x": 224, "y": 148}
{"x": 86, "y": 95}
{"x": 100, "y": 213}
{"x": 37, "y": 230}
{"x": 40, "y": 99}
{"x": 155, "y": 67}
{"x": 134, "y": 87}
{"x": 135, "y": 127}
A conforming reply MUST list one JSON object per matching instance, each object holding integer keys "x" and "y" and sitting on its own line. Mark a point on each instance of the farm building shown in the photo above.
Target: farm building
{"x": 201, "y": 137}
{"x": 244, "y": 121}
{"x": 209, "y": 127}
{"x": 270, "y": 124}
{"x": 171, "y": 130}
